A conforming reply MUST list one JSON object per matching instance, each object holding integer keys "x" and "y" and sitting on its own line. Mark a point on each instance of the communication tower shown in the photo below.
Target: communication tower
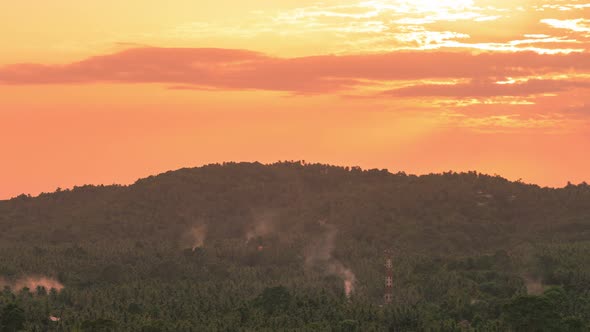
{"x": 388, "y": 297}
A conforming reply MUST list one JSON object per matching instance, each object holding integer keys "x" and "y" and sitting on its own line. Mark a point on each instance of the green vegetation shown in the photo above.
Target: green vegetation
{"x": 465, "y": 249}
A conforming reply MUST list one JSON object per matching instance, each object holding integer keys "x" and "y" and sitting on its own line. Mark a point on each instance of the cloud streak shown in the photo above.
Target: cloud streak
{"x": 227, "y": 69}
{"x": 393, "y": 25}
{"x": 488, "y": 89}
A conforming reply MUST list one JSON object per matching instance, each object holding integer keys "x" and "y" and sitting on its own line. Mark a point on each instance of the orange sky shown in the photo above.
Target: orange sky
{"x": 116, "y": 90}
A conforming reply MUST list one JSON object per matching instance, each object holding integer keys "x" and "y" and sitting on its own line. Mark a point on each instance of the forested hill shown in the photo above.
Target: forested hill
{"x": 254, "y": 247}
{"x": 448, "y": 212}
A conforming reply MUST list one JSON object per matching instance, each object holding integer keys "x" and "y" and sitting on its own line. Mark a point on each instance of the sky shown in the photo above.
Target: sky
{"x": 103, "y": 92}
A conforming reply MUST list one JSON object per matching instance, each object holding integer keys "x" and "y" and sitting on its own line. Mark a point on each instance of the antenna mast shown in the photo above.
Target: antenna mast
{"x": 388, "y": 297}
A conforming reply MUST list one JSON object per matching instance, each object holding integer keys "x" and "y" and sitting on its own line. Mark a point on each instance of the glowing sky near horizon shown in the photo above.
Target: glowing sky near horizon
{"x": 108, "y": 91}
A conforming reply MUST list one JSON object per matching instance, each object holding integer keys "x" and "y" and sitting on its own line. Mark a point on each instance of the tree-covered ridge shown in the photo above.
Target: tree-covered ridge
{"x": 277, "y": 242}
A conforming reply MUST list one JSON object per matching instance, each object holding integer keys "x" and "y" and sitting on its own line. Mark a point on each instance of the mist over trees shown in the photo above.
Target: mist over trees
{"x": 246, "y": 246}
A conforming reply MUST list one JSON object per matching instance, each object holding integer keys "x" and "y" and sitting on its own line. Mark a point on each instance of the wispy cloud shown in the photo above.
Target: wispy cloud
{"x": 390, "y": 25}
{"x": 488, "y": 88}
{"x": 441, "y": 81}
{"x": 575, "y": 25}
{"x": 240, "y": 69}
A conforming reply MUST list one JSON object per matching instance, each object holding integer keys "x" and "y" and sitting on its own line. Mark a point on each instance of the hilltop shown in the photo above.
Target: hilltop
{"x": 440, "y": 212}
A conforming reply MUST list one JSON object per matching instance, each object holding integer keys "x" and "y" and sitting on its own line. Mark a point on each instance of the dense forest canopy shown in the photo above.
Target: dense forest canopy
{"x": 295, "y": 246}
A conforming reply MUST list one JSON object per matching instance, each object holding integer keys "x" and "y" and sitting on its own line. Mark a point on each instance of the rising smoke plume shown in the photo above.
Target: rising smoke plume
{"x": 534, "y": 286}
{"x": 263, "y": 225}
{"x": 32, "y": 282}
{"x": 320, "y": 256}
{"x": 198, "y": 235}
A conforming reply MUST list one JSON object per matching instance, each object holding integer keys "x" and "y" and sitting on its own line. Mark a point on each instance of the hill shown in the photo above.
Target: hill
{"x": 295, "y": 246}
